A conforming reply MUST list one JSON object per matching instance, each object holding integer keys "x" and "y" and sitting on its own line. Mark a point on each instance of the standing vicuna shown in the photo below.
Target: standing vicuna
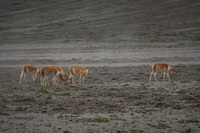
{"x": 81, "y": 70}
{"x": 29, "y": 68}
{"x": 166, "y": 67}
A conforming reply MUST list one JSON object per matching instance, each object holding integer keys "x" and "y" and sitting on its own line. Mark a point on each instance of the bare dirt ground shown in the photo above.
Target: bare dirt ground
{"x": 117, "y": 41}
{"x": 118, "y": 96}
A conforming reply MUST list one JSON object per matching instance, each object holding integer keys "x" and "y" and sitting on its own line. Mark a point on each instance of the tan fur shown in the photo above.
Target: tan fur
{"x": 29, "y": 68}
{"x": 164, "y": 66}
{"x": 81, "y": 70}
{"x": 62, "y": 73}
{"x": 49, "y": 70}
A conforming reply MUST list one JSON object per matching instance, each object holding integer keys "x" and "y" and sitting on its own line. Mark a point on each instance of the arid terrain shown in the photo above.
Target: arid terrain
{"x": 117, "y": 42}
{"x": 117, "y": 97}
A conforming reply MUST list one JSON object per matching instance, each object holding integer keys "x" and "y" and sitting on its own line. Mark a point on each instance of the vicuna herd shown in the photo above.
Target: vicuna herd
{"x": 58, "y": 72}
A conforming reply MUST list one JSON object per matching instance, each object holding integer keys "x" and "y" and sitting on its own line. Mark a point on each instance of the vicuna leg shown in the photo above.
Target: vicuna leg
{"x": 83, "y": 79}
{"x": 151, "y": 75}
{"x": 25, "y": 76}
{"x": 54, "y": 81}
{"x": 47, "y": 80}
{"x": 73, "y": 79}
{"x": 22, "y": 72}
{"x": 57, "y": 80}
{"x": 164, "y": 74}
{"x": 155, "y": 73}
{"x": 35, "y": 77}
{"x": 80, "y": 78}
{"x": 42, "y": 80}
{"x": 168, "y": 76}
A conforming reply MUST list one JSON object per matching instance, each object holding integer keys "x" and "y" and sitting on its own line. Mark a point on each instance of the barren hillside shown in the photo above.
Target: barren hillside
{"x": 146, "y": 21}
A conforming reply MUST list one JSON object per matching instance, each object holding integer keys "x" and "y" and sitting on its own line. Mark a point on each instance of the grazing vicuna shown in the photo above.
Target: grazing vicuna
{"x": 29, "y": 68}
{"x": 166, "y": 67}
{"x": 62, "y": 73}
{"x": 81, "y": 70}
{"x": 49, "y": 70}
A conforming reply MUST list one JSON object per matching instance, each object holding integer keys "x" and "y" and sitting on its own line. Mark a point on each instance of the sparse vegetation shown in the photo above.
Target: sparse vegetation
{"x": 102, "y": 119}
{"x": 117, "y": 41}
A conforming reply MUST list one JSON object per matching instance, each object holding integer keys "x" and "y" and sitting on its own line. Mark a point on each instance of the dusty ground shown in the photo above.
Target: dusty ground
{"x": 117, "y": 41}
{"x": 117, "y": 96}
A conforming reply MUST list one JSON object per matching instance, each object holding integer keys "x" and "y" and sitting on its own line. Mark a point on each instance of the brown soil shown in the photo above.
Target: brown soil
{"x": 117, "y": 97}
